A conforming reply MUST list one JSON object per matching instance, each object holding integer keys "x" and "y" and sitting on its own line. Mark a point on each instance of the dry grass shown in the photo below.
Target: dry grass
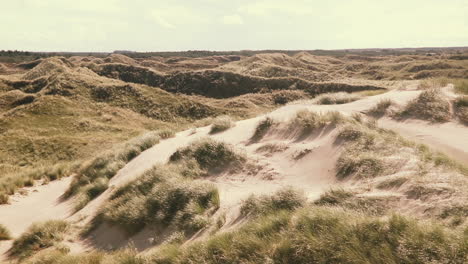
{"x": 461, "y": 108}
{"x": 381, "y": 108}
{"x": 39, "y": 236}
{"x": 4, "y": 233}
{"x": 93, "y": 176}
{"x": 336, "y": 98}
{"x": 430, "y": 105}
{"x": 207, "y": 156}
{"x": 221, "y": 124}
{"x": 161, "y": 197}
{"x": 262, "y": 128}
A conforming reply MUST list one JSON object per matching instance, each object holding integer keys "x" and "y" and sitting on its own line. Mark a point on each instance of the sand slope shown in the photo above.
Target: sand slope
{"x": 313, "y": 173}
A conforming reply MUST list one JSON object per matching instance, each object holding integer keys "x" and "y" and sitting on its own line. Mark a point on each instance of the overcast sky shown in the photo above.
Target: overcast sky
{"x": 161, "y": 25}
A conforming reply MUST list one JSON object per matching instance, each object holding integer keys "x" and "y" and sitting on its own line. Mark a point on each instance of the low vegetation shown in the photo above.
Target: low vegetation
{"x": 161, "y": 197}
{"x": 11, "y": 183}
{"x": 221, "y": 124}
{"x": 430, "y": 105}
{"x": 207, "y": 155}
{"x": 262, "y": 128}
{"x": 4, "y": 233}
{"x": 381, "y": 108}
{"x": 461, "y": 86}
{"x": 39, "y": 236}
{"x": 322, "y": 235}
{"x": 93, "y": 177}
{"x": 461, "y": 108}
{"x": 307, "y": 121}
{"x": 336, "y": 98}
{"x": 284, "y": 199}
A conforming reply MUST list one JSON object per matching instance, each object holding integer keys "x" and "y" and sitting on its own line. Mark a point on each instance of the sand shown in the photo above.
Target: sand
{"x": 313, "y": 173}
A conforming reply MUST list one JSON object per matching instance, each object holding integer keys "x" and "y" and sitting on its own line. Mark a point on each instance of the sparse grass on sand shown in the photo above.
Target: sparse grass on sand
{"x": 308, "y": 121}
{"x": 430, "y": 105}
{"x": 336, "y": 98}
{"x": 461, "y": 86}
{"x": 4, "y": 233}
{"x": 93, "y": 177}
{"x": 39, "y": 236}
{"x": 161, "y": 197}
{"x": 221, "y": 124}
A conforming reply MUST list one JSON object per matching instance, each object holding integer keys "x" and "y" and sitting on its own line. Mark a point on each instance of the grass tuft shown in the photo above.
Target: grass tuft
{"x": 39, "y": 236}
{"x": 380, "y": 109}
{"x": 221, "y": 124}
{"x": 161, "y": 197}
{"x": 285, "y": 199}
{"x": 262, "y": 128}
{"x": 336, "y": 98}
{"x": 4, "y": 233}
{"x": 209, "y": 155}
{"x": 430, "y": 105}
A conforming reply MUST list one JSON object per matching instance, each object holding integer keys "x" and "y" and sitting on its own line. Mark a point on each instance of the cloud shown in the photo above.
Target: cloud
{"x": 233, "y": 20}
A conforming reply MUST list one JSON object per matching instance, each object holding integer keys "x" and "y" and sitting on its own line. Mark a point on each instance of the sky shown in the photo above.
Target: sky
{"x": 175, "y": 25}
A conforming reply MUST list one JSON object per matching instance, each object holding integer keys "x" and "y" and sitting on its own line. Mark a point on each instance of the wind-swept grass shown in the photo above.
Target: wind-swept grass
{"x": 39, "y": 236}
{"x": 336, "y": 98}
{"x": 221, "y": 124}
{"x": 461, "y": 108}
{"x": 161, "y": 197}
{"x": 284, "y": 199}
{"x": 429, "y": 105}
{"x": 324, "y": 235}
{"x": 208, "y": 155}
{"x": 93, "y": 177}
{"x": 262, "y": 128}
{"x": 4, "y": 233}
{"x": 380, "y": 109}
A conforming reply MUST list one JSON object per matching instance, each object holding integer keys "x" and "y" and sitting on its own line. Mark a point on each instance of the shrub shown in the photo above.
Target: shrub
{"x": 38, "y": 237}
{"x": 221, "y": 124}
{"x": 336, "y": 98}
{"x": 4, "y": 233}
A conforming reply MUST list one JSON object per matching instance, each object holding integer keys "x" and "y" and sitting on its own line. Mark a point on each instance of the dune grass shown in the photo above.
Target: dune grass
{"x": 430, "y": 105}
{"x": 221, "y": 124}
{"x": 284, "y": 199}
{"x": 93, "y": 176}
{"x": 39, "y": 236}
{"x": 208, "y": 155}
{"x": 336, "y": 98}
{"x": 325, "y": 235}
{"x": 461, "y": 108}
{"x": 161, "y": 197}
{"x": 262, "y": 128}
{"x": 461, "y": 86}
{"x": 4, "y": 233}
{"x": 10, "y": 183}
{"x": 380, "y": 109}
{"x": 308, "y": 121}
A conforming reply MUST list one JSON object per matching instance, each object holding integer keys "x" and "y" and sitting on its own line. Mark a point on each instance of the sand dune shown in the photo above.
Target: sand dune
{"x": 313, "y": 173}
